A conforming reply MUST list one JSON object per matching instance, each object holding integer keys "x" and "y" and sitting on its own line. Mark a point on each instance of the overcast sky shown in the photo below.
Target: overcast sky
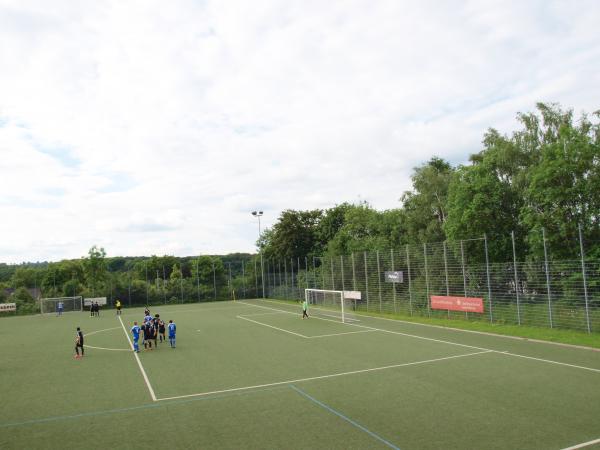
{"x": 156, "y": 127}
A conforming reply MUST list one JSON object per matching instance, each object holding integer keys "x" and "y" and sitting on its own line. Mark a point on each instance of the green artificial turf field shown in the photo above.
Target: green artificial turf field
{"x": 253, "y": 374}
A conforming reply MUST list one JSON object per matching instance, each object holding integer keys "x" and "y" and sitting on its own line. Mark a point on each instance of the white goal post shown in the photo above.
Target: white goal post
{"x": 332, "y": 303}
{"x": 50, "y": 305}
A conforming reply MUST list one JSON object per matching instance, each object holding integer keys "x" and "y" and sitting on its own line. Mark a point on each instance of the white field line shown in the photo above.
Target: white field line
{"x": 112, "y": 349}
{"x": 99, "y": 331}
{"x": 549, "y": 361}
{"x": 583, "y": 445}
{"x": 458, "y": 330}
{"x": 392, "y": 332}
{"x": 245, "y": 317}
{"x": 321, "y": 377}
{"x": 271, "y": 326}
{"x": 336, "y": 317}
{"x": 263, "y": 314}
{"x": 199, "y": 309}
{"x": 137, "y": 358}
{"x": 313, "y": 317}
{"x": 272, "y": 309}
{"x": 340, "y": 334}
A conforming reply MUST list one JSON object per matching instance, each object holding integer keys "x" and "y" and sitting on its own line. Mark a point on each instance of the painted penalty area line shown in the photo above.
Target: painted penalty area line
{"x": 314, "y": 317}
{"x": 264, "y": 314}
{"x": 245, "y": 317}
{"x": 583, "y": 445}
{"x": 549, "y": 361}
{"x": 137, "y": 358}
{"x": 322, "y": 377}
{"x": 340, "y": 334}
{"x": 343, "y": 417}
{"x": 271, "y": 326}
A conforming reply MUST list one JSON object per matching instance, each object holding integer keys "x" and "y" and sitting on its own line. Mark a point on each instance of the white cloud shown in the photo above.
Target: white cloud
{"x": 152, "y": 127}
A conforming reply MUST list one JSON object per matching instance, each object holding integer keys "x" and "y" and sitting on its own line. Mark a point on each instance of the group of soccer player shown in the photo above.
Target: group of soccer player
{"x": 152, "y": 329}
{"x": 94, "y": 309}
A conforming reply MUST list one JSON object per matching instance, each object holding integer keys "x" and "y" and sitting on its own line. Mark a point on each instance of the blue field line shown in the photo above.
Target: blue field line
{"x": 340, "y": 415}
{"x": 135, "y": 408}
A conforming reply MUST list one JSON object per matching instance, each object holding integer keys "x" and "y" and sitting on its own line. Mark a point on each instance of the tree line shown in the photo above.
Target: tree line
{"x": 137, "y": 280}
{"x": 541, "y": 180}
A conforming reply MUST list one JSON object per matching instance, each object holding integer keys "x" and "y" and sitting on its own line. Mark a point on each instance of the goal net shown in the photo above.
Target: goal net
{"x": 50, "y": 305}
{"x": 330, "y": 304}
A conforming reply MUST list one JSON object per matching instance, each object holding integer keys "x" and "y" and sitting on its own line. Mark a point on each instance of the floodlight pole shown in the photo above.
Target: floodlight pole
{"x": 258, "y": 215}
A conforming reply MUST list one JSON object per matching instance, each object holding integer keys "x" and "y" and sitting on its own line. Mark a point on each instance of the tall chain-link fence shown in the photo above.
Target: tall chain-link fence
{"x": 541, "y": 292}
{"x": 141, "y": 286}
{"x": 555, "y": 294}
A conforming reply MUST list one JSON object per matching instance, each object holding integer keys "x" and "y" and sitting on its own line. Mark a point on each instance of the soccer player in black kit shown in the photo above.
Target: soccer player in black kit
{"x": 162, "y": 330}
{"x": 79, "y": 343}
{"x": 155, "y": 331}
{"x": 148, "y": 335}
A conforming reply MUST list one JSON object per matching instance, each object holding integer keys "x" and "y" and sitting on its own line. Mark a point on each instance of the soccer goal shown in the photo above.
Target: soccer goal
{"x": 330, "y": 304}
{"x": 50, "y": 305}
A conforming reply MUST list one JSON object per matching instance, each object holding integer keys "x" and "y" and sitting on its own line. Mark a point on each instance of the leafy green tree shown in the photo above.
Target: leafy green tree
{"x": 158, "y": 267}
{"x": 207, "y": 267}
{"x": 393, "y": 228}
{"x": 117, "y": 264}
{"x": 52, "y": 280}
{"x": 95, "y": 267}
{"x": 25, "y": 302}
{"x": 486, "y": 197}
{"x": 6, "y": 271}
{"x": 329, "y": 225}
{"x": 176, "y": 274}
{"x": 294, "y": 234}
{"x": 25, "y": 277}
{"x": 425, "y": 206}
{"x": 71, "y": 288}
{"x": 563, "y": 186}
{"x": 364, "y": 228}
{"x": 3, "y": 293}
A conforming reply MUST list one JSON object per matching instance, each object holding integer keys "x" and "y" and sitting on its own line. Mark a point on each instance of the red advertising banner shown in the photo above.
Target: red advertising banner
{"x": 468, "y": 304}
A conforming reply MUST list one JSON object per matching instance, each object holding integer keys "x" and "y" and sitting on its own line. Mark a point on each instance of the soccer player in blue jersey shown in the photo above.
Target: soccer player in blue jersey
{"x": 135, "y": 331}
{"x": 172, "y": 329}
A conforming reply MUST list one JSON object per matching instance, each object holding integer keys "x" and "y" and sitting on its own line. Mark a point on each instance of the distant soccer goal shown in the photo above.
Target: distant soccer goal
{"x": 50, "y": 305}
{"x": 336, "y": 305}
